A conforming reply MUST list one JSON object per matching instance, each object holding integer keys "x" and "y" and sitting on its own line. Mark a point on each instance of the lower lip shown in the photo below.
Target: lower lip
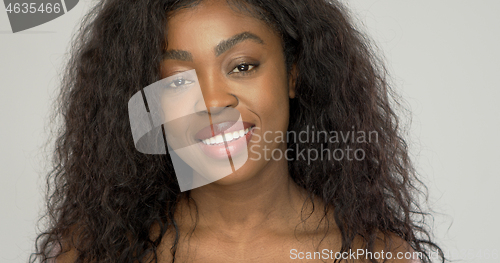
{"x": 219, "y": 151}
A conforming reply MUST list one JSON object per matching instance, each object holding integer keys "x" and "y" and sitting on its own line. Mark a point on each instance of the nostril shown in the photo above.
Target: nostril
{"x": 221, "y": 101}
{"x": 237, "y": 100}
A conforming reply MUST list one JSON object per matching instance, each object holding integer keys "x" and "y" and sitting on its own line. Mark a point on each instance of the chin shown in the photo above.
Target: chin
{"x": 242, "y": 175}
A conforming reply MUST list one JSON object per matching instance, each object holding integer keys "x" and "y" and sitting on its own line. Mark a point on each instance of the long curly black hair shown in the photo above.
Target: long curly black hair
{"x": 112, "y": 195}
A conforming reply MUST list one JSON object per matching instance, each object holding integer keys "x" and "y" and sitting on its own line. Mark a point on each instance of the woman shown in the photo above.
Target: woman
{"x": 325, "y": 173}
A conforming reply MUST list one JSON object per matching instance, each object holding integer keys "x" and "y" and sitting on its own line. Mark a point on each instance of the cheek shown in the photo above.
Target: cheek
{"x": 273, "y": 104}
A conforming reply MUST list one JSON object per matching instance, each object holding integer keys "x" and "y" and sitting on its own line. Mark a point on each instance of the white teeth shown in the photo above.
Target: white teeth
{"x": 227, "y": 136}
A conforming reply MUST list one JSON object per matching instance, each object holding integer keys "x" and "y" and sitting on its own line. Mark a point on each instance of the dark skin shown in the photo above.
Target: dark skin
{"x": 255, "y": 214}
{"x": 258, "y": 207}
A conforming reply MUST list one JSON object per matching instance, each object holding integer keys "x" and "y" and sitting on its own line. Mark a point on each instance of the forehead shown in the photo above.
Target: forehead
{"x": 209, "y": 22}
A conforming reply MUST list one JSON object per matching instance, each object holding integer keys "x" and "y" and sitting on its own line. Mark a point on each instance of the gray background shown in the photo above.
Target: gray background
{"x": 444, "y": 59}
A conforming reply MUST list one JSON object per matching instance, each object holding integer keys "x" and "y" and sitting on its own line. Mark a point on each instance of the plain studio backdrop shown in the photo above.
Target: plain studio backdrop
{"x": 444, "y": 60}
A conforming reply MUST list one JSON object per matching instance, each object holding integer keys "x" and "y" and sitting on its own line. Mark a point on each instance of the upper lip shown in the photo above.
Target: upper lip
{"x": 219, "y": 128}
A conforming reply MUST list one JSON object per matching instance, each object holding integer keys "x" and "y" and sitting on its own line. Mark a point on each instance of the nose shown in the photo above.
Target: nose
{"x": 217, "y": 94}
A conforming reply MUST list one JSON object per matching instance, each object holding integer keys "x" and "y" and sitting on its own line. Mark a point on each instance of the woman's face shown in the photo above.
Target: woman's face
{"x": 239, "y": 64}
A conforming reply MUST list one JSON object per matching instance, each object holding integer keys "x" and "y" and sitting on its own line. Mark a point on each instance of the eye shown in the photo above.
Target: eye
{"x": 243, "y": 68}
{"x": 178, "y": 83}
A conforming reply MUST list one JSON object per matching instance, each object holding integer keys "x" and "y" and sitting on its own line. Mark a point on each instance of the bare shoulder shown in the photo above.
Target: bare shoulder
{"x": 387, "y": 249}
{"x": 396, "y": 250}
{"x": 68, "y": 256}
{"x": 66, "y": 252}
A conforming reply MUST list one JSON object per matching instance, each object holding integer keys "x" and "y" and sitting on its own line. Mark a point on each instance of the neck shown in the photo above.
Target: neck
{"x": 266, "y": 202}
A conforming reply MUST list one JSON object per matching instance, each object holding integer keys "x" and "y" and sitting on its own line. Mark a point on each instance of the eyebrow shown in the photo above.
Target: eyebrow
{"x": 222, "y": 47}
{"x": 227, "y": 44}
{"x": 177, "y": 55}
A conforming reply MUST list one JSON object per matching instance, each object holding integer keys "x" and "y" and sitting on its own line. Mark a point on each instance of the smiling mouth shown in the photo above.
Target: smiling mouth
{"x": 228, "y": 137}
{"x": 219, "y": 133}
